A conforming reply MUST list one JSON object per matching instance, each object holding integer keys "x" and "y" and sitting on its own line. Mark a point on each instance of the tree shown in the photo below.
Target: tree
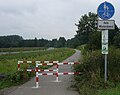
{"x": 113, "y": 34}
{"x": 94, "y": 41}
{"x": 35, "y": 42}
{"x": 54, "y": 43}
{"x": 86, "y": 25}
{"x": 116, "y": 39}
{"x": 88, "y": 33}
{"x": 73, "y": 42}
{"x": 61, "y": 42}
{"x": 10, "y": 41}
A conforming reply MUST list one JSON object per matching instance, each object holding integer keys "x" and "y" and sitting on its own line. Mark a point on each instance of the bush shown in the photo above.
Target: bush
{"x": 114, "y": 65}
{"x": 92, "y": 68}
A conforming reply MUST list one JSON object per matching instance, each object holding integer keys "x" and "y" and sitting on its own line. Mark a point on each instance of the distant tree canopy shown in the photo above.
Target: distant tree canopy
{"x": 18, "y": 41}
{"x": 10, "y": 41}
{"x": 87, "y": 33}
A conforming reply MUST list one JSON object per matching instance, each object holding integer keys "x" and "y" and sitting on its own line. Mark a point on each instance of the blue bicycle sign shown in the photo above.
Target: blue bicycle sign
{"x": 105, "y": 10}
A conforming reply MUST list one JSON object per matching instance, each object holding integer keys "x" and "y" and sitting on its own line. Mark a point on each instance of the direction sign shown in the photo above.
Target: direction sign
{"x": 105, "y": 10}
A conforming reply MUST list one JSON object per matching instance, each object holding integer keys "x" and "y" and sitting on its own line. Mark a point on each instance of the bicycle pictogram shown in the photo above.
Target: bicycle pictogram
{"x": 105, "y": 10}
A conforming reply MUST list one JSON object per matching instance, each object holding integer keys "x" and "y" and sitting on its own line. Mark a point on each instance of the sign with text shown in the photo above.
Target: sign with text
{"x": 105, "y": 42}
{"x": 106, "y": 24}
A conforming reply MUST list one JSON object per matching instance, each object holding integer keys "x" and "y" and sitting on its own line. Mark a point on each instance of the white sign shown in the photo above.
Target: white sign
{"x": 106, "y": 24}
{"x": 104, "y": 36}
{"x": 105, "y": 42}
{"x": 105, "y": 49}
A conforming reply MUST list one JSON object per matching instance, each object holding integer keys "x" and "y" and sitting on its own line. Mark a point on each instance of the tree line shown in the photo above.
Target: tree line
{"x": 18, "y": 41}
{"x": 87, "y": 33}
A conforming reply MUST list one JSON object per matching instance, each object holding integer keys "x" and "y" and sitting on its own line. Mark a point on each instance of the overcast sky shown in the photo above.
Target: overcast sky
{"x": 47, "y": 19}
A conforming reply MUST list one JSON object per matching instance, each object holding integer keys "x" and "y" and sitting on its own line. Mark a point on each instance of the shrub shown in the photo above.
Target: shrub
{"x": 92, "y": 68}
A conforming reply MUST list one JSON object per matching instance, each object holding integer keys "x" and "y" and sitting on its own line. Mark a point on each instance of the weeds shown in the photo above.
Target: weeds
{"x": 92, "y": 68}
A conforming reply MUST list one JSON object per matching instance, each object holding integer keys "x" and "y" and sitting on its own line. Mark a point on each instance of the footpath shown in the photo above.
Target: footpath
{"x": 47, "y": 84}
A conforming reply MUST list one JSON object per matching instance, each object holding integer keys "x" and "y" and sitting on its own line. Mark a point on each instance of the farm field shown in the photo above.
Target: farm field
{"x": 8, "y": 62}
{"x": 21, "y": 49}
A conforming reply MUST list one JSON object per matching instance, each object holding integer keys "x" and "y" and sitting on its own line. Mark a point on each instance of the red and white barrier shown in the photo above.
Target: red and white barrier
{"x": 39, "y": 72}
{"x": 46, "y": 63}
{"x": 23, "y": 62}
{"x": 55, "y": 63}
{"x": 64, "y": 73}
{"x": 46, "y": 70}
{"x": 68, "y": 63}
{"x": 57, "y": 70}
{"x": 42, "y": 63}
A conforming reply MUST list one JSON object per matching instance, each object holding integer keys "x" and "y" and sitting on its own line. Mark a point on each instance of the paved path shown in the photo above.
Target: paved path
{"x": 47, "y": 84}
{"x": 3, "y": 53}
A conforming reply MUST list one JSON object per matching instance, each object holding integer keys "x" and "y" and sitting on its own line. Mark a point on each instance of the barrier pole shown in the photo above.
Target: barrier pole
{"x": 37, "y": 79}
{"x": 18, "y": 65}
{"x": 57, "y": 73}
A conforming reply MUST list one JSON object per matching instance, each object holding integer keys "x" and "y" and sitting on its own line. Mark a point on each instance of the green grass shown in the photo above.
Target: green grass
{"x": 8, "y": 63}
{"x": 112, "y": 91}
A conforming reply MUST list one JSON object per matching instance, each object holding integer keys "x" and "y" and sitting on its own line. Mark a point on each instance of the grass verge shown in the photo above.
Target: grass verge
{"x": 110, "y": 91}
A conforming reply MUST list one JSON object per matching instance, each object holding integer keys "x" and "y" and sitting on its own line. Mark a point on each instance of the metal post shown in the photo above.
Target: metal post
{"x": 105, "y": 67}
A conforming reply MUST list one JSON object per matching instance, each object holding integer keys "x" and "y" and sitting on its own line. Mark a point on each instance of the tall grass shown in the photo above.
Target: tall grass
{"x": 111, "y": 91}
{"x": 92, "y": 67}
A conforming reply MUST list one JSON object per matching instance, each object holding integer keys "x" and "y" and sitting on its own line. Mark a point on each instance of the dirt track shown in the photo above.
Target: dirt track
{"x": 47, "y": 84}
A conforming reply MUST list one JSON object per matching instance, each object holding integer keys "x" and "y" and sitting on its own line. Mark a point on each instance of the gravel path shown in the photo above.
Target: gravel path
{"x": 48, "y": 86}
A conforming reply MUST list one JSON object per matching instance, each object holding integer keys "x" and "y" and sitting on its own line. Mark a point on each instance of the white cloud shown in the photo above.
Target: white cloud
{"x": 46, "y": 18}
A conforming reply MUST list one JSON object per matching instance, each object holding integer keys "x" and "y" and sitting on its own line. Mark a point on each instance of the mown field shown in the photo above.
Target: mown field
{"x": 8, "y": 63}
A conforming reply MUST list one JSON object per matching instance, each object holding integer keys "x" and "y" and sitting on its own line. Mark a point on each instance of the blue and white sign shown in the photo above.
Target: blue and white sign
{"x": 105, "y": 10}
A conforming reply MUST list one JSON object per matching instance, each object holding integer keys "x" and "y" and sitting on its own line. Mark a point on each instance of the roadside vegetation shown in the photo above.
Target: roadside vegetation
{"x": 91, "y": 82}
{"x": 110, "y": 91}
{"x": 8, "y": 64}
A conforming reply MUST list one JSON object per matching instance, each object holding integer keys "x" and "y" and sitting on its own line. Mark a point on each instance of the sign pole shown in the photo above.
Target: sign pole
{"x": 105, "y": 11}
{"x": 105, "y": 51}
{"x": 105, "y": 68}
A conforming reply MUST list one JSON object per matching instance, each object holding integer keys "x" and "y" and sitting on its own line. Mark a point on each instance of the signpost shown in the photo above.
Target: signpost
{"x": 105, "y": 11}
